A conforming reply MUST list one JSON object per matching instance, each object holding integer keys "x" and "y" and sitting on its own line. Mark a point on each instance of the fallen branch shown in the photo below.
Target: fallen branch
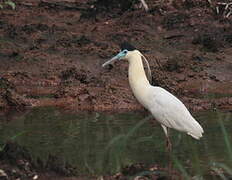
{"x": 227, "y": 10}
{"x": 144, "y": 5}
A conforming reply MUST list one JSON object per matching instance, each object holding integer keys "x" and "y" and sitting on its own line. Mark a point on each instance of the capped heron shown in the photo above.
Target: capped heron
{"x": 167, "y": 109}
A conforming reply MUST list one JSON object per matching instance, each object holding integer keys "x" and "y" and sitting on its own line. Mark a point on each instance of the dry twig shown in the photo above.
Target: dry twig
{"x": 144, "y": 5}
{"x": 227, "y": 11}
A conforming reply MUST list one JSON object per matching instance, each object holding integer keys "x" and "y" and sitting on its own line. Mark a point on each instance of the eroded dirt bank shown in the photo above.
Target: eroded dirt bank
{"x": 51, "y": 53}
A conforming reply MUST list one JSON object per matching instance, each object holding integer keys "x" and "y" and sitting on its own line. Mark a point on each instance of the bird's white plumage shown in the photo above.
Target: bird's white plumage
{"x": 165, "y": 107}
{"x": 172, "y": 113}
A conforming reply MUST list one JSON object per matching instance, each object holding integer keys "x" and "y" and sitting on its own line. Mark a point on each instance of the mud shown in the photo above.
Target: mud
{"x": 52, "y": 51}
{"x": 17, "y": 163}
{"x": 51, "y": 54}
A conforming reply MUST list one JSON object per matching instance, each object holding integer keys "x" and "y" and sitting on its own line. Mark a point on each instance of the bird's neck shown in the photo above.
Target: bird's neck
{"x": 137, "y": 77}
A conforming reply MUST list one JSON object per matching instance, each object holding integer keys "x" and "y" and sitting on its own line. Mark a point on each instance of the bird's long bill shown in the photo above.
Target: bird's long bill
{"x": 111, "y": 61}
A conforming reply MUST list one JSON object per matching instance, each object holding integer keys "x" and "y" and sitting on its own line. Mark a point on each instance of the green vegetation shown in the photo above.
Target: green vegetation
{"x": 12, "y": 138}
{"x": 214, "y": 168}
{"x": 188, "y": 154}
{"x": 5, "y": 3}
{"x": 117, "y": 147}
{"x": 101, "y": 144}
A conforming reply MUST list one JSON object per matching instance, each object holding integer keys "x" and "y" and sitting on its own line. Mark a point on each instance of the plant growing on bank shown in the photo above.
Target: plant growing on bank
{"x": 116, "y": 148}
{"x": 188, "y": 166}
{"x": 5, "y": 3}
{"x": 217, "y": 169}
{"x": 2, "y": 146}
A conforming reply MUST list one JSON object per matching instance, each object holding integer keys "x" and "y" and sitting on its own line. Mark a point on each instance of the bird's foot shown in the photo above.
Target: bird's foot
{"x": 168, "y": 145}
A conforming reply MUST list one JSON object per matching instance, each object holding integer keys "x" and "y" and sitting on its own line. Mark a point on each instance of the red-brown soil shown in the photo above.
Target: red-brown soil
{"x": 51, "y": 53}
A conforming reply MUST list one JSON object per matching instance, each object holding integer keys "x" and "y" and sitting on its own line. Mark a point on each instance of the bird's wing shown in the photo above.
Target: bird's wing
{"x": 171, "y": 112}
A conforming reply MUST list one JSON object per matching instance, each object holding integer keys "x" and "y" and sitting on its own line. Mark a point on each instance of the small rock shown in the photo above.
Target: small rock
{"x": 213, "y": 77}
{"x": 155, "y": 168}
{"x": 218, "y": 58}
{"x": 14, "y": 171}
{"x": 190, "y": 74}
{"x": 198, "y": 58}
{"x": 180, "y": 77}
{"x": 3, "y": 175}
{"x": 35, "y": 177}
{"x": 83, "y": 97}
{"x": 204, "y": 77}
{"x": 117, "y": 176}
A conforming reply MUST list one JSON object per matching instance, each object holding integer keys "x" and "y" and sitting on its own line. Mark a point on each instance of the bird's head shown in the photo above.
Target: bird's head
{"x": 126, "y": 51}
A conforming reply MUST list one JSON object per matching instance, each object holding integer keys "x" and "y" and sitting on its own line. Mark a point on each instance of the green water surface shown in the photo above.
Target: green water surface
{"x": 101, "y": 143}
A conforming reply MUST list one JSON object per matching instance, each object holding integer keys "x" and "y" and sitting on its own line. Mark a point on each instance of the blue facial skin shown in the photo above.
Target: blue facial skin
{"x": 122, "y": 54}
{"x": 119, "y": 56}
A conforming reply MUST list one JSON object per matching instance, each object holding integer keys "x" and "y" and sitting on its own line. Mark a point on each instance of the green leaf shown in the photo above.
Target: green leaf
{"x": 226, "y": 137}
{"x": 181, "y": 168}
{"x": 2, "y": 147}
{"x": 144, "y": 139}
{"x": 135, "y": 128}
{"x": 11, "y": 4}
{"x": 115, "y": 140}
{"x": 1, "y": 6}
{"x": 17, "y": 135}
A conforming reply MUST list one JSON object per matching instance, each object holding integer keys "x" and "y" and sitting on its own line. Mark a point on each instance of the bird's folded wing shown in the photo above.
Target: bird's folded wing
{"x": 171, "y": 112}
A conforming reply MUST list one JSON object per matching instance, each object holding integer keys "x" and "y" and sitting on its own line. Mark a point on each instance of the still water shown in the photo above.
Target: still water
{"x": 97, "y": 143}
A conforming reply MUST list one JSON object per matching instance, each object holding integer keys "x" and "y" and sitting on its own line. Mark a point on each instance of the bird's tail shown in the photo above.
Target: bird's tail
{"x": 197, "y": 133}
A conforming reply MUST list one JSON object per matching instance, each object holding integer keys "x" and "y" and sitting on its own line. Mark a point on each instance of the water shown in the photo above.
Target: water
{"x": 98, "y": 143}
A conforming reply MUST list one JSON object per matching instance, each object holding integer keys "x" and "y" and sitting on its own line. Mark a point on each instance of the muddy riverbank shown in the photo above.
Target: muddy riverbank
{"x": 51, "y": 54}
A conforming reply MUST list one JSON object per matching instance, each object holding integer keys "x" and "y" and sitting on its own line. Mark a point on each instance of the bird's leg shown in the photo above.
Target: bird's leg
{"x": 169, "y": 150}
{"x": 168, "y": 142}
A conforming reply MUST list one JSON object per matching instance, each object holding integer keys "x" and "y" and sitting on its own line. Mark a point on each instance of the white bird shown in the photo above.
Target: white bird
{"x": 167, "y": 109}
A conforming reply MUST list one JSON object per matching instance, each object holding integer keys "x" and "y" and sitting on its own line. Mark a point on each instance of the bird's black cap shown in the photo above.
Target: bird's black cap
{"x": 127, "y": 46}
